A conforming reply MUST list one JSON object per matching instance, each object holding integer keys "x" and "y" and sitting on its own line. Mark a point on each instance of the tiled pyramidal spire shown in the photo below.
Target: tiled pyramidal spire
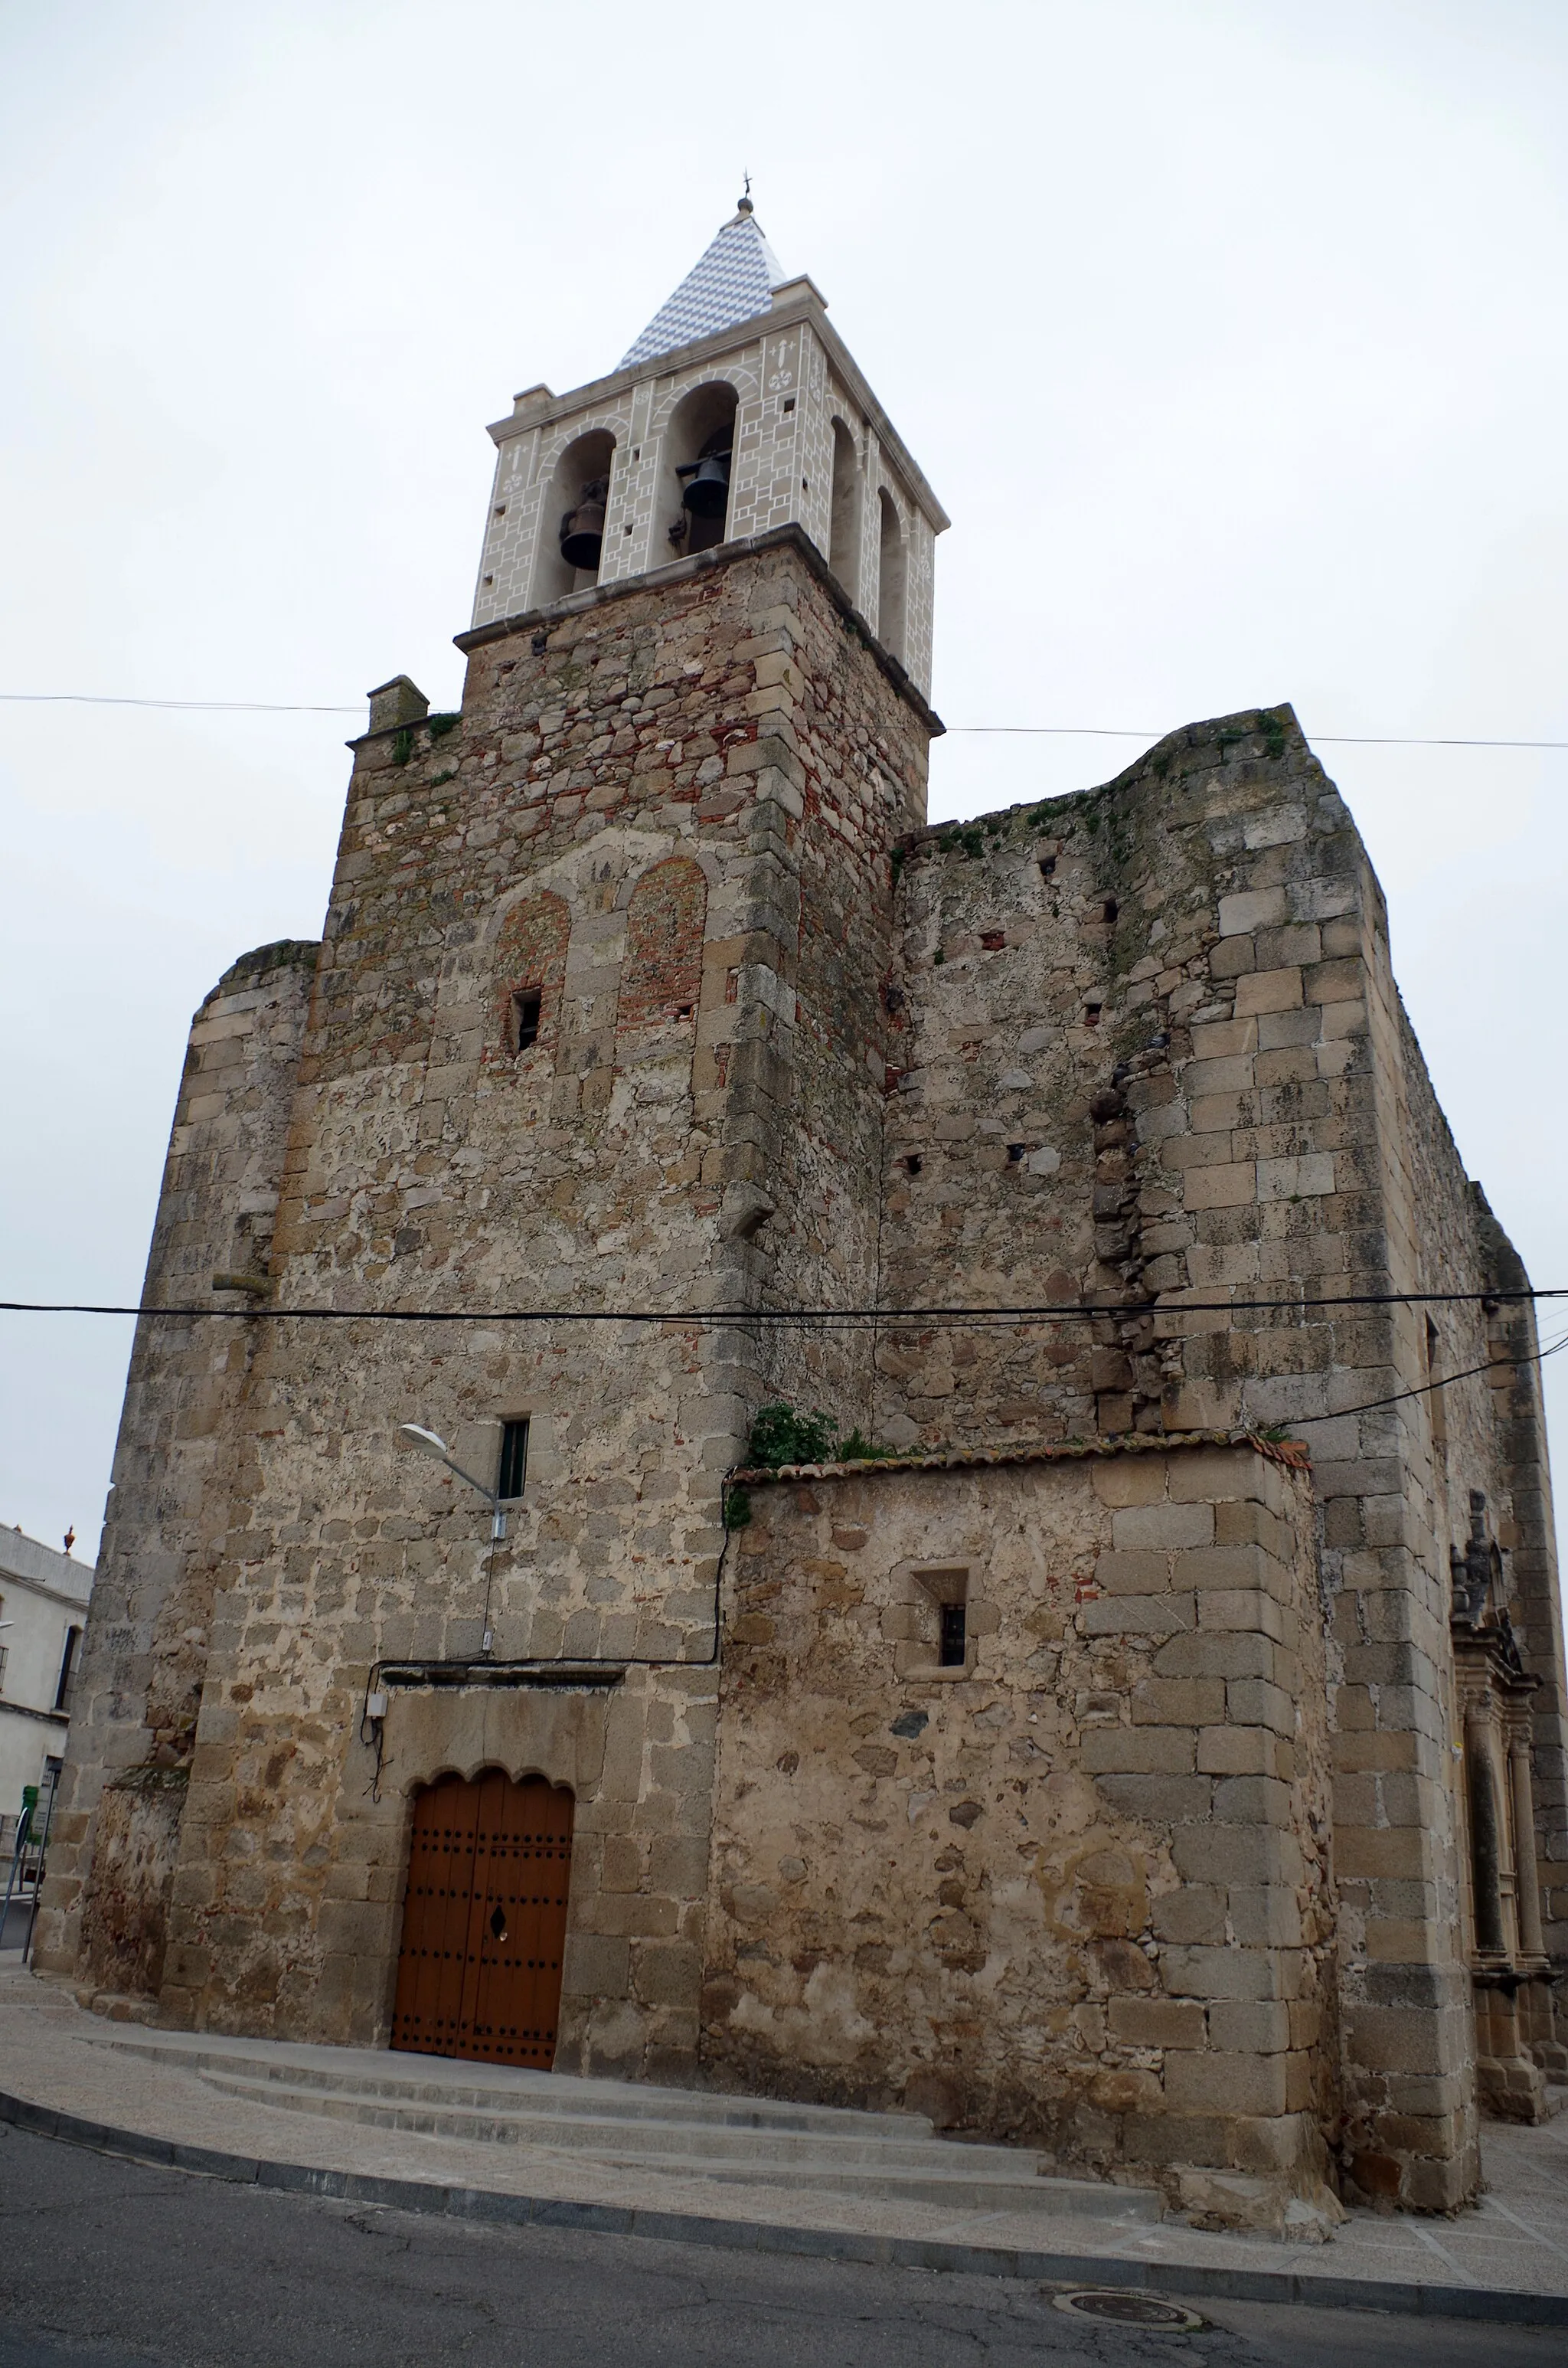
{"x": 734, "y": 282}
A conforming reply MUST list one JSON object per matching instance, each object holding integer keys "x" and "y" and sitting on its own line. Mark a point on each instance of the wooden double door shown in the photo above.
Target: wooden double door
{"x": 485, "y": 1919}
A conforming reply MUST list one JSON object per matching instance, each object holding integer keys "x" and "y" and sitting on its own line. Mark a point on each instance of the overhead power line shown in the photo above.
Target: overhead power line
{"x": 1054, "y": 1312}
{"x": 1445, "y": 1380}
{"x": 197, "y": 705}
{"x": 1338, "y": 739}
{"x": 1013, "y": 731}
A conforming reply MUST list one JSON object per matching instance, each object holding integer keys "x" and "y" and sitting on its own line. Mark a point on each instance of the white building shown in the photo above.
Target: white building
{"x": 43, "y": 1609}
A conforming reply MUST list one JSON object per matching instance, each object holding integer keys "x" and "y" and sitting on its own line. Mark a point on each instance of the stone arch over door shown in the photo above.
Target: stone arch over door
{"x": 484, "y": 1938}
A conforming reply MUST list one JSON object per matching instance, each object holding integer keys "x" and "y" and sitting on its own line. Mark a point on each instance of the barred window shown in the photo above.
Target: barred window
{"x": 513, "y": 1459}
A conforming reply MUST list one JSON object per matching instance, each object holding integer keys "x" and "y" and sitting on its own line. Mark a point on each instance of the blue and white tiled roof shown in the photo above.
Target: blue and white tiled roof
{"x": 734, "y": 282}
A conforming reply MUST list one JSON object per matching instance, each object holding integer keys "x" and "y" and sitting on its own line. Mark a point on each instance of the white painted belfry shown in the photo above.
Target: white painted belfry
{"x": 793, "y": 377}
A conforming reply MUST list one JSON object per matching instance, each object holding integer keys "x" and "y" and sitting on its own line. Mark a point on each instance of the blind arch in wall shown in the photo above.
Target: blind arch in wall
{"x": 660, "y": 973}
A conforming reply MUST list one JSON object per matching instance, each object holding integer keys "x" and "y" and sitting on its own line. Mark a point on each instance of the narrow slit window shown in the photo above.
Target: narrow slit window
{"x": 67, "y": 1686}
{"x": 1110, "y": 908}
{"x": 513, "y": 1470}
{"x": 954, "y": 1642}
{"x": 1047, "y": 867}
{"x": 526, "y": 1009}
{"x": 1434, "y": 1398}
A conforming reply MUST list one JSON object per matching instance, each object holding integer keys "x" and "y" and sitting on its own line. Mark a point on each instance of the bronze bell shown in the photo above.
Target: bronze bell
{"x": 582, "y": 529}
{"x": 707, "y": 492}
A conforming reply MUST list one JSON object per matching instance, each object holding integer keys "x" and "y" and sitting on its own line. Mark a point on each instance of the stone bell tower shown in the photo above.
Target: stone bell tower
{"x": 596, "y": 1030}
{"x": 738, "y": 410}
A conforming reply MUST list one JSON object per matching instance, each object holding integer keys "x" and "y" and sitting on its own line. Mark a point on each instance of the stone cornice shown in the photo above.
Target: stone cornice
{"x": 685, "y": 571}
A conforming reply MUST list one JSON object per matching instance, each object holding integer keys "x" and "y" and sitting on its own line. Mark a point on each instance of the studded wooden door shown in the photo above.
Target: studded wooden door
{"x": 485, "y": 1919}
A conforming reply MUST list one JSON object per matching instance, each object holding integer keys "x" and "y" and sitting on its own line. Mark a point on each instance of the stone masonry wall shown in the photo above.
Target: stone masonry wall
{"x": 1528, "y": 1536}
{"x": 144, "y": 1657}
{"x": 1076, "y": 1894}
{"x": 1151, "y": 1049}
{"x": 730, "y": 723}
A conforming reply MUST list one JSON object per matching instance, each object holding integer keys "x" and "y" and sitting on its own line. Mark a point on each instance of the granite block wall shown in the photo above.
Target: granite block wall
{"x": 668, "y": 813}
{"x": 1074, "y": 1893}
{"x": 144, "y": 1657}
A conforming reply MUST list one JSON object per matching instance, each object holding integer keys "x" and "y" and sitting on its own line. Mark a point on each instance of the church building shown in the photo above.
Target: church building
{"x": 780, "y": 1449}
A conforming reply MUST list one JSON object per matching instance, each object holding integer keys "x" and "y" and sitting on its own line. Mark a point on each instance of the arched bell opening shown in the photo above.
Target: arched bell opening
{"x": 571, "y": 518}
{"x": 695, "y": 479}
{"x": 485, "y": 1919}
{"x": 891, "y": 577}
{"x": 844, "y": 527}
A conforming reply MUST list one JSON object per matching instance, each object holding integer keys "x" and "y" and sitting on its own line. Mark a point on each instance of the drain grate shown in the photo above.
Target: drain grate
{"x": 1124, "y": 2309}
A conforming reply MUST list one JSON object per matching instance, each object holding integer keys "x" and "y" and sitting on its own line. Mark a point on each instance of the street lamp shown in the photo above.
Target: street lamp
{"x": 430, "y": 1442}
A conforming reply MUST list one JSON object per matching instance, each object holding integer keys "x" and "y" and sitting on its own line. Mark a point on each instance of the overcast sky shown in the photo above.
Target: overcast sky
{"x": 1232, "y": 333}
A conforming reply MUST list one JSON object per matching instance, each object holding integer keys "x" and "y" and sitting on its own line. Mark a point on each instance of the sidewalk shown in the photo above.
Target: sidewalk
{"x": 125, "y": 2090}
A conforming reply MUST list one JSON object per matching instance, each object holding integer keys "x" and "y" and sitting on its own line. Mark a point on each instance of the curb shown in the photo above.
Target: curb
{"x": 1495, "y": 2305}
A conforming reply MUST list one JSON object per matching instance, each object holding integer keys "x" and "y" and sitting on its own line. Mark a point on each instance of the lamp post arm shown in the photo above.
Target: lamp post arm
{"x": 488, "y": 1494}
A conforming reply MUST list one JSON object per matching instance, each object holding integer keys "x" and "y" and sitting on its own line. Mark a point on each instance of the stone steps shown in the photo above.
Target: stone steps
{"x": 628, "y": 2126}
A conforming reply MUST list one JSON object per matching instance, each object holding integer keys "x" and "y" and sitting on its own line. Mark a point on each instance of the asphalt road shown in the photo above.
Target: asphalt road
{"x": 105, "y": 2264}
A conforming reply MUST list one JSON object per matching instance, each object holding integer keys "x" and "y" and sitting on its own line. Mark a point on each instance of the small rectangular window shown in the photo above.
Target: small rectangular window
{"x": 4, "y": 1657}
{"x": 942, "y": 1642}
{"x": 513, "y": 1459}
{"x": 526, "y": 1009}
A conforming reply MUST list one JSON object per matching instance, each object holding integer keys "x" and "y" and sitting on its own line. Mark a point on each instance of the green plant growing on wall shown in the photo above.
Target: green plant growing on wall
{"x": 779, "y": 1436}
{"x": 439, "y": 725}
{"x": 858, "y": 1449}
{"x": 403, "y": 747}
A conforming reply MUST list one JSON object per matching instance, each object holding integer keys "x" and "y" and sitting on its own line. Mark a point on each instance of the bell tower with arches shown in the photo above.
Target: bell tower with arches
{"x": 738, "y": 409}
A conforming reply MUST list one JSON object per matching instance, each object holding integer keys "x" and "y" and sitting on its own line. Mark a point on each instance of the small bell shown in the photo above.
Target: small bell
{"x": 582, "y": 529}
{"x": 707, "y": 491}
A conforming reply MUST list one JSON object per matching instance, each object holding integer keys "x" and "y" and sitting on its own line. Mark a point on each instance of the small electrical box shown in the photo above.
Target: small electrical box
{"x": 375, "y": 1705}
